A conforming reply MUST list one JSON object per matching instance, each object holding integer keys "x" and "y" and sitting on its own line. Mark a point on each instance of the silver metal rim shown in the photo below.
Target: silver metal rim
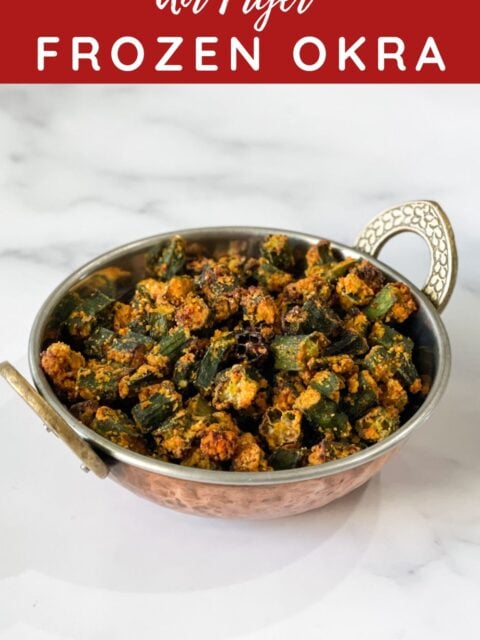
{"x": 235, "y": 477}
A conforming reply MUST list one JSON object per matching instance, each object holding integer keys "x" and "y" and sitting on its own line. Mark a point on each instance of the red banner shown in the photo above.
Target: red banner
{"x": 237, "y": 41}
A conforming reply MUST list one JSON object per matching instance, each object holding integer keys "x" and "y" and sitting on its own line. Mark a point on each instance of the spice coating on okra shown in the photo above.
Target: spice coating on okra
{"x": 236, "y": 360}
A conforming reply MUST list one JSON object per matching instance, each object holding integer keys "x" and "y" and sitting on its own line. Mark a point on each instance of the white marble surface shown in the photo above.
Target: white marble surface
{"x": 84, "y": 169}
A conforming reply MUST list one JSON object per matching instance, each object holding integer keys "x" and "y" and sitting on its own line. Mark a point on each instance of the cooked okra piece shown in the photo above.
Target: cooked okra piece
{"x": 277, "y": 251}
{"x": 219, "y": 443}
{"x": 393, "y": 303}
{"x": 160, "y": 320}
{"x": 215, "y": 355}
{"x": 116, "y": 427}
{"x": 329, "y": 449}
{"x": 352, "y": 291}
{"x": 364, "y": 394}
{"x": 311, "y": 316}
{"x": 259, "y": 308}
{"x": 186, "y": 367}
{"x": 333, "y": 270}
{"x": 169, "y": 260}
{"x": 150, "y": 414}
{"x": 85, "y": 317}
{"x": 99, "y": 380}
{"x": 286, "y": 458}
{"x": 237, "y": 387}
{"x": 349, "y": 342}
{"x": 172, "y": 438}
{"x": 97, "y": 344}
{"x": 384, "y": 364}
{"x": 172, "y": 344}
{"x": 388, "y": 337}
{"x": 321, "y": 253}
{"x": 145, "y": 376}
{"x": 249, "y": 456}
{"x": 129, "y": 349}
{"x": 85, "y": 411}
{"x": 322, "y": 413}
{"x": 281, "y": 428}
{"x": 377, "y": 424}
{"x": 272, "y": 278}
{"x": 356, "y": 321}
{"x": 193, "y": 314}
{"x": 329, "y": 384}
{"x": 295, "y": 353}
{"x": 62, "y": 364}
{"x": 249, "y": 347}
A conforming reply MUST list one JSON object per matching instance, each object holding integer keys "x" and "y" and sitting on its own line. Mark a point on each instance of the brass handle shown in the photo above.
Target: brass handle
{"x": 428, "y": 220}
{"x": 55, "y": 422}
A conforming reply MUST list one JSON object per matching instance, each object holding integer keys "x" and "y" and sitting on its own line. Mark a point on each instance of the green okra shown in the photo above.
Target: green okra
{"x": 98, "y": 342}
{"x": 168, "y": 261}
{"x": 277, "y": 251}
{"x": 91, "y": 311}
{"x": 159, "y": 323}
{"x": 293, "y": 353}
{"x": 212, "y": 360}
{"x": 322, "y": 413}
{"x": 337, "y": 270}
{"x": 366, "y": 397}
{"x": 281, "y": 428}
{"x": 172, "y": 344}
{"x": 124, "y": 348}
{"x": 386, "y": 336}
{"x": 382, "y": 302}
{"x": 311, "y": 316}
{"x": 286, "y": 458}
{"x": 119, "y": 429}
{"x": 377, "y": 424}
{"x": 150, "y": 414}
{"x": 99, "y": 381}
{"x": 272, "y": 278}
{"x": 142, "y": 377}
{"x": 329, "y": 384}
{"x": 349, "y": 342}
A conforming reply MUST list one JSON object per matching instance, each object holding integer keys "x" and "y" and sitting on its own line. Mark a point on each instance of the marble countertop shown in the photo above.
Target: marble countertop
{"x": 83, "y": 169}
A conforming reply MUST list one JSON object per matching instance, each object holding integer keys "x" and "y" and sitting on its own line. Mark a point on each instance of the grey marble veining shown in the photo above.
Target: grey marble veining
{"x": 83, "y": 169}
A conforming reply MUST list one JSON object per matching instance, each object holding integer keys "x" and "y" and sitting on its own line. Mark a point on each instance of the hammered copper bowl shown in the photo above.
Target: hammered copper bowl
{"x": 262, "y": 494}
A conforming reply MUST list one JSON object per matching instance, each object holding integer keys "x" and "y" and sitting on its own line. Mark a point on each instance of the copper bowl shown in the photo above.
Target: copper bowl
{"x": 262, "y": 494}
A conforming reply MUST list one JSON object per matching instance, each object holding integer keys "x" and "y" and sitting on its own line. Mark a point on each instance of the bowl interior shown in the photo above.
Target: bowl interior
{"x": 425, "y": 328}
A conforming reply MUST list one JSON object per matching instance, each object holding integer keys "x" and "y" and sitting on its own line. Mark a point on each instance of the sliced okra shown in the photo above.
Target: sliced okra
{"x": 272, "y": 278}
{"x": 169, "y": 260}
{"x": 129, "y": 349}
{"x": 294, "y": 353}
{"x": 236, "y": 387}
{"x": 151, "y": 413}
{"x": 286, "y": 458}
{"x": 116, "y": 427}
{"x": 145, "y": 376}
{"x": 99, "y": 380}
{"x": 172, "y": 344}
{"x": 91, "y": 311}
{"x": 350, "y": 342}
{"x": 388, "y": 337}
{"x": 212, "y": 360}
{"x": 365, "y": 395}
{"x": 281, "y": 428}
{"x": 277, "y": 251}
{"x": 377, "y": 424}
{"x": 322, "y": 413}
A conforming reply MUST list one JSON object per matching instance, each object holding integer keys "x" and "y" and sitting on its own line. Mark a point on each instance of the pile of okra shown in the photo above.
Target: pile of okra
{"x": 230, "y": 361}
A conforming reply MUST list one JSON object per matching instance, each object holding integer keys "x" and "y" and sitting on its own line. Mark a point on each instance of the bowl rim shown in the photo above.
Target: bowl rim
{"x": 250, "y": 478}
